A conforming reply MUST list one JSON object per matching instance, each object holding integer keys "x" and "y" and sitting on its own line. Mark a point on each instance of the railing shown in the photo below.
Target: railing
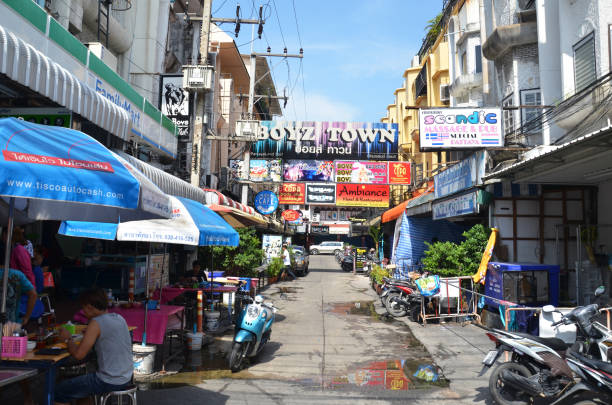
{"x": 450, "y": 288}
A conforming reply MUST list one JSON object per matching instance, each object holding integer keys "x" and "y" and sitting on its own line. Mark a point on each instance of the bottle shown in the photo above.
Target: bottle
{"x": 52, "y": 320}
{"x": 40, "y": 334}
{"x": 109, "y": 296}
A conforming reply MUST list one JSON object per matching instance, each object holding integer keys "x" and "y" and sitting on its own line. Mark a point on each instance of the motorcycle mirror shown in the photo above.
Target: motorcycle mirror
{"x": 548, "y": 308}
{"x": 600, "y": 290}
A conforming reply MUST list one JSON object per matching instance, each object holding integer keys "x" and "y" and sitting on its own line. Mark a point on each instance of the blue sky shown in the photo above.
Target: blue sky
{"x": 355, "y": 51}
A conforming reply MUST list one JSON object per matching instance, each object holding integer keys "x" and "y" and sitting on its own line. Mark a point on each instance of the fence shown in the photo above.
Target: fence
{"x": 452, "y": 294}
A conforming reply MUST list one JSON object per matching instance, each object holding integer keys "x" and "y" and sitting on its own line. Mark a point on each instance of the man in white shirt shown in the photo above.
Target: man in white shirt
{"x": 287, "y": 262}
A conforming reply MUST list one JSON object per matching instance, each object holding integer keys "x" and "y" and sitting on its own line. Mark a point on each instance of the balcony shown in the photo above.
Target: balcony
{"x": 464, "y": 83}
{"x": 506, "y": 37}
{"x": 420, "y": 83}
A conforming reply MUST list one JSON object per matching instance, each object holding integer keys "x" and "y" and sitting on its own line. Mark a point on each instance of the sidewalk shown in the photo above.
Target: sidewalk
{"x": 459, "y": 351}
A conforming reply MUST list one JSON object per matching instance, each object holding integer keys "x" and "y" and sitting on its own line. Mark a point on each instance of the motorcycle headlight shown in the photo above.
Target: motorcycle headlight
{"x": 253, "y": 311}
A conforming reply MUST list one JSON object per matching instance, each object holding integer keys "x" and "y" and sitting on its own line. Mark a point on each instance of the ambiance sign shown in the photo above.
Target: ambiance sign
{"x": 362, "y": 195}
{"x": 462, "y": 128}
{"x": 326, "y": 140}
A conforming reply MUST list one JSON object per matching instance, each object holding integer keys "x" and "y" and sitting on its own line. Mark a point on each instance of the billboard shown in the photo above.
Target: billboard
{"x": 292, "y": 193}
{"x": 460, "y": 128}
{"x": 362, "y": 195}
{"x": 399, "y": 173}
{"x": 320, "y": 194}
{"x": 265, "y": 170}
{"x": 361, "y": 172}
{"x": 308, "y": 170}
{"x": 326, "y": 140}
{"x": 174, "y": 103}
{"x": 236, "y": 169}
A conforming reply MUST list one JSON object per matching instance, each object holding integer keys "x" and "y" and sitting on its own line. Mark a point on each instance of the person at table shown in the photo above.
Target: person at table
{"x": 20, "y": 257}
{"x": 109, "y": 334}
{"x": 197, "y": 274}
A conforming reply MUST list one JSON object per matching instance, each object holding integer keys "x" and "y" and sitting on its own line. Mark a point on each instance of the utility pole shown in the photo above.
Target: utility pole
{"x": 198, "y": 131}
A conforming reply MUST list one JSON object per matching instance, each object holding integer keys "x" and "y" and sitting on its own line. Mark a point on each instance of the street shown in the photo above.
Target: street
{"x": 328, "y": 345}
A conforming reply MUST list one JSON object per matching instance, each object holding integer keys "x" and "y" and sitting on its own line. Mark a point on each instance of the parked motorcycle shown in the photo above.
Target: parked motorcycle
{"x": 538, "y": 368}
{"x": 253, "y": 330}
{"x": 347, "y": 263}
{"x": 400, "y": 297}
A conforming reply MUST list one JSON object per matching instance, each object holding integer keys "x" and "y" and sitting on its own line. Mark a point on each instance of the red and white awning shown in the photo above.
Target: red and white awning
{"x": 236, "y": 214}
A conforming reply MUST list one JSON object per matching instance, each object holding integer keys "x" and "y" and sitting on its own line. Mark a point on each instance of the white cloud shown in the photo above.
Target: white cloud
{"x": 319, "y": 107}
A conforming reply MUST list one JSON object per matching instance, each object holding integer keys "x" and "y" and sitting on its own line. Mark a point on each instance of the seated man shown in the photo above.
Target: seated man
{"x": 111, "y": 337}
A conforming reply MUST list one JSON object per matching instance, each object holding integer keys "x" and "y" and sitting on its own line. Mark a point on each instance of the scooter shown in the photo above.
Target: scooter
{"x": 538, "y": 368}
{"x": 253, "y": 330}
{"x": 347, "y": 263}
{"x": 402, "y": 298}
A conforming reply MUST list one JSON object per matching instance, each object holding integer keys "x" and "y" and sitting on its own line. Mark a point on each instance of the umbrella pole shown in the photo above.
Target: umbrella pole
{"x": 146, "y": 312}
{"x": 161, "y": 273}
{"x": 212, "y": 278}
{"x": 7, "y": 260}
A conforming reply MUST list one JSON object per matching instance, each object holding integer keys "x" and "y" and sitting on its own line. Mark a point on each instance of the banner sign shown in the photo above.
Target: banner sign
{"x": 174, "y": 103}
{"x": 399, "y": 173}
{"x": 362, "y": 195}
{"x": 456, "y": 206}
{"x": 463, "y": 175}
{"x": 265, "y": 170}
{"x": 339, "y": 229}
{"x": 326, "y": 140}
{"x": 448, "y": 128}
{"x": 319, "y": 228}
{"x": 320, "y": 194}
{"x": 361, "y": 172}
{"x": 57, "y": 117}
{"x": 292, "y": 193}
{"x": 266, "y": 202}
{"x": 308, "y": 170}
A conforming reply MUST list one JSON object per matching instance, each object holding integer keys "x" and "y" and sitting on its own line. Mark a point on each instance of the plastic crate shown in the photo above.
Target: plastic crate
{"x": 15, "y": 347}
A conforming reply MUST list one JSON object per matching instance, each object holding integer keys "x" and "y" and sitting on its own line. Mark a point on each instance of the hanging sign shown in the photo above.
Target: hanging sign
{"x": 175, "y": 104}
{"x": 292, "y": 193}
{"x": 326, "y": 140}
{"x": 399, "y": 173}
{"x": 463, "y": 128}
{"x": 308, "y": 170}
{"x": 320, "y": 194}
{"x": 291, "y": 215}
{"x": 319, "y": 228}
{"x": 266, "y": 202}
{"x": 456, "y": 206}
{"x": 361, "y": 172}
{"x": 362, "y": 195}
{"x": 265, "y": 170}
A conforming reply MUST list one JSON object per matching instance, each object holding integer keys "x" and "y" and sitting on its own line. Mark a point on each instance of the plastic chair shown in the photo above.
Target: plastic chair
{"x": 130, "y": 392}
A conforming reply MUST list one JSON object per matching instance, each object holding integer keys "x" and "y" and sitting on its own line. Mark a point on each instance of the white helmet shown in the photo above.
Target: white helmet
{"x": 259, "y": 299}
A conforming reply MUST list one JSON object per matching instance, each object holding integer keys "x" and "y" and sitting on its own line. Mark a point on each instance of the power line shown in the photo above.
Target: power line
{"x": 297, "y": 27}
{"x": 280, "y": 28}
{"x": 220, "y": 7}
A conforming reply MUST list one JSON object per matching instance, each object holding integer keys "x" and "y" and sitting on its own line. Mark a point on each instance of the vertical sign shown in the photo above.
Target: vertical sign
{"x": 174, "y": 103}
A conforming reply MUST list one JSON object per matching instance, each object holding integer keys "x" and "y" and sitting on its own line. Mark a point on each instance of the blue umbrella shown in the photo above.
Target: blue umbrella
{"x": 192, "y": 223}
{"x": 57, "y": 173}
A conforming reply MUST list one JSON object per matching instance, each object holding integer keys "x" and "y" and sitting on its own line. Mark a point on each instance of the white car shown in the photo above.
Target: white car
{"x": 326, "y": 247}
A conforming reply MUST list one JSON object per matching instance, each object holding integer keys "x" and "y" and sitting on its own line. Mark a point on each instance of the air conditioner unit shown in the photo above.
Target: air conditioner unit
{"x": 198, "y": 77}
{"x": 247, "y": 129}
{"x": 445, "y": 92}
{"x": 103, "y": 54}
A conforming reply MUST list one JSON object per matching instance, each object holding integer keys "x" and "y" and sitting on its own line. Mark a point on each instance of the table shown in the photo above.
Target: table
{"x": 170, "y": 293}
{"x": 46, "y": 363}
{"x": 13, "y": 375}
{"x": 157, "y": 321}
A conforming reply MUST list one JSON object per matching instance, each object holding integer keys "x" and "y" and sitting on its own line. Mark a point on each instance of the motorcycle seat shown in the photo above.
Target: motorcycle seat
{"x": 597, "y": 364}
{"x": 554, "y": 343}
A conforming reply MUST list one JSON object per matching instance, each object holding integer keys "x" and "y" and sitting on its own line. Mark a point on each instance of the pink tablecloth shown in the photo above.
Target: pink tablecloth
{"x": 170, "y": 293}
{"x": 157, "y": 321}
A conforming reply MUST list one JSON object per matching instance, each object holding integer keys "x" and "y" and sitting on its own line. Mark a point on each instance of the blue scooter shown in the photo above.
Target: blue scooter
{"x": 253, "y": 330}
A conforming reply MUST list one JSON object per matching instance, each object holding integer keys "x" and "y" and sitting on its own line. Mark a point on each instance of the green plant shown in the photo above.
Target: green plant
{"x": 376, "y": 233}
{"x": 449, "y": 259}
{"x": 240, "y": 260}
{"x": 378, "y": 273}
{"x": 275, "y": 267}
{"x": 433, "y": 28}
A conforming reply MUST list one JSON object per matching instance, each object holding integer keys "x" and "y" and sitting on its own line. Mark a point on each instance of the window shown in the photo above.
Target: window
{"x": 530, "y": 97}
{"x": 508, "y": 115}
{"x": 464, "y": 67}
{"x": 478, "y": 56}
{"x": 584, "y": 62}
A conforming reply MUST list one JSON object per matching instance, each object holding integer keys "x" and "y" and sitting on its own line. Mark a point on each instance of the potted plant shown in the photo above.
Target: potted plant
{"x": 274, "y": 269}
{"x": 376, "y": 275}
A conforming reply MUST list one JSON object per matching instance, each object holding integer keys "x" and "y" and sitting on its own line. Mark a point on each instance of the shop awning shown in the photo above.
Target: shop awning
{"x": 420, "y": 204}
{"x": 395, "y": 212}
{"x": 233, "y": 212}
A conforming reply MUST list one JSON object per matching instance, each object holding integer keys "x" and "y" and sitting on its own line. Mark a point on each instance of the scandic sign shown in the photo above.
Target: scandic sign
{"x": 399, "y": 173}
{"x": 451, "y": 128}
{"x": 292, "y": 193}
{"x": 362, "y": 195}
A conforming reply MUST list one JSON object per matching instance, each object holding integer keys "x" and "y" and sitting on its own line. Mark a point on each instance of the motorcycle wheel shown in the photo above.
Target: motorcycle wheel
{"x": 415, "y": 312}
{"x": 237, "y": 355}
{"x": 508, "y": 395}
{"x": 394, "y": 308}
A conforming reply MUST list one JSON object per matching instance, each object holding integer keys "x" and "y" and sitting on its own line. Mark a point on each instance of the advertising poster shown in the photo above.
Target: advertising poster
{"x": 319, "y": 194}
{"x": 362, "y": 195}
{"x": 57, "y": 117}
{"x": 361, "y": 172}
{"x": 292, "y": 193}
{"x": 236, "y": 169}
{"x": 326, "y": 140}
{"x": 159, "y": 263}
{"x": 174, "y": 103}
{"x": 399, "y": 173}
{"x": 467, "y": 128}
{"x": 265, "y": 170}
{"x": 271, "y": 246}
{"x": 308, "y": 170}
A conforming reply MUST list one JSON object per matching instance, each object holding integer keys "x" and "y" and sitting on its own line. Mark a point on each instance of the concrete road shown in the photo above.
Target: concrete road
{"x": 328, "y": 345}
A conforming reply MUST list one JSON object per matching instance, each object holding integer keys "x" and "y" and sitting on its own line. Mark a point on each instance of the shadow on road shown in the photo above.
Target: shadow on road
{"x": 267, "y": 354}
{"x": 186, "y": 394}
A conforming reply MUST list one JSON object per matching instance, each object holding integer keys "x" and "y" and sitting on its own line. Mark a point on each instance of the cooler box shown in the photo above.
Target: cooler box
{"x": 527, "y": 284}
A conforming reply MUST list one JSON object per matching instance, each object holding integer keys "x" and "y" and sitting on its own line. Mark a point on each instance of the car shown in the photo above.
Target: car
{"x": 301, "y": 260}
{"x": 328, "y": 247}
